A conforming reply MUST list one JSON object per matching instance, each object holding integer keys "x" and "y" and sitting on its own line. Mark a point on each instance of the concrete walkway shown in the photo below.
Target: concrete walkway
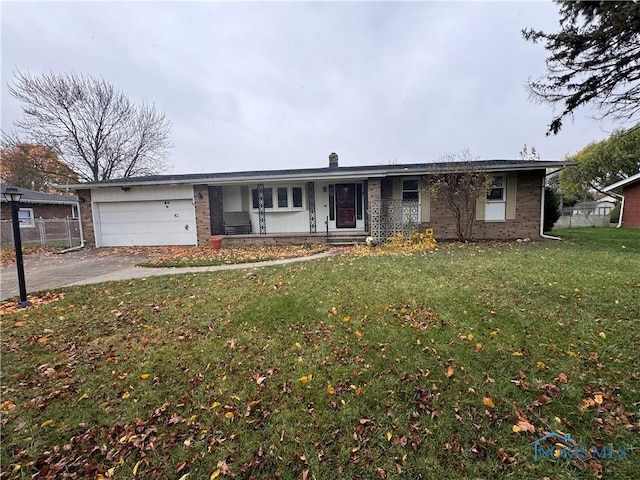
{"x": 50, "y": 271}
{"x": 141, "y": 272}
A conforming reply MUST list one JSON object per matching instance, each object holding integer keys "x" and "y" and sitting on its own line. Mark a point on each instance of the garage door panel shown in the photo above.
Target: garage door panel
{"x": 170, "y": 222}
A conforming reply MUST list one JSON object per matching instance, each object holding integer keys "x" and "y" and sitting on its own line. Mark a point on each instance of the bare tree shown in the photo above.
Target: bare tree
{"x": 95, "y": 130}
{"x": 459, "y": 187}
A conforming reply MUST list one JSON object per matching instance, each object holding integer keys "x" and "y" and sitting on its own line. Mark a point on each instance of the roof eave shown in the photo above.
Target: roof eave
{"x": 339, "y": 173}
{"x": 622, "y": 183}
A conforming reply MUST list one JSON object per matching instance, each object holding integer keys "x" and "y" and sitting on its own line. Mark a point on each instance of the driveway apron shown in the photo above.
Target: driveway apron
{"x": 49, "y": 271}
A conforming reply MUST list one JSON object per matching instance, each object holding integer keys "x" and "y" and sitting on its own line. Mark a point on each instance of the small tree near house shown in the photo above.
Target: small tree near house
{"x": 459, "y": 189}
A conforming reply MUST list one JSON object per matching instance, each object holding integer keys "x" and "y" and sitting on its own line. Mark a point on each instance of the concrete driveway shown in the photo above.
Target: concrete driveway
{"x": 51, "y": 270}
{"x": 46, "y": 271}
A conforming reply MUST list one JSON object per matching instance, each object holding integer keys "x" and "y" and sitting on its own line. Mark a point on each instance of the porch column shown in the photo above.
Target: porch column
{"x": 262, "y": 218}
{"x": 374, "y": 208}
{"x": 216, "y": 218}
{"x": 311, "y": 192}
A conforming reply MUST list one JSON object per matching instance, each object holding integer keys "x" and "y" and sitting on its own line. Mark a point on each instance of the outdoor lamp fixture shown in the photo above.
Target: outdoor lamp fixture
{"x": 12, "y": 196}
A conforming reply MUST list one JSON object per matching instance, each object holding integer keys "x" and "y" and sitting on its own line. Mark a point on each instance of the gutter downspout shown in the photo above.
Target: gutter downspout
{"x": 621, "y": 197}
{"x": 542, "y": 234}
{"x": 81, "y": 246}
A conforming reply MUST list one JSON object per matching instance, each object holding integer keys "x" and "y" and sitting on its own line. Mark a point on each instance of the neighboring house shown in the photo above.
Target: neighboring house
{"x": 305, "y": 205}
{"x": 600, "y": 207}
{"x": 34, "y": 207}
{"x": 629, "y": 189}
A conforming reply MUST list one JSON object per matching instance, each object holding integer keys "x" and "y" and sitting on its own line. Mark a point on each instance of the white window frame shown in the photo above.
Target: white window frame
{"x": 502, "y": 186}
{"x": 26, "y": 222}
{"x": 416, "y": 190}
{"x": 274, "y": 197}
{"x": 495, "y": 209}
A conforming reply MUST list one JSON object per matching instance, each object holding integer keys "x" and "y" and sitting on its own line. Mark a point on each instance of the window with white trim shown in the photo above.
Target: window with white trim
{"x": 496, "y": 192}
{"x": 495, "y": 208}
{"x": 279, "y": 198}
{"x": 268, "y": 198}
{"x": 25, "y": 217}
{"x": 411, "y": 190}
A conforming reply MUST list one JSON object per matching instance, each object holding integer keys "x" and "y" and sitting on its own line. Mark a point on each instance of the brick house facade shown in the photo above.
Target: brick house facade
{"x": 35, "y": 210}
{"x": 629, "y": 189}
{"x": 631, "y": 216}
{"x": 306, "y": 205}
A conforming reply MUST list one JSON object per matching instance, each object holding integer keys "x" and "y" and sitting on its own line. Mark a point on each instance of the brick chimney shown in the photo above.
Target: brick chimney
{"x": 333, "y": 160}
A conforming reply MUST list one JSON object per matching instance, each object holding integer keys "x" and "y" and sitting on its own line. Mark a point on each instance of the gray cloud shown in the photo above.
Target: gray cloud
{"x": 281, "y": 85}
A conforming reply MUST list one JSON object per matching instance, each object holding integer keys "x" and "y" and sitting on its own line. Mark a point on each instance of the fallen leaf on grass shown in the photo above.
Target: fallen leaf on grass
{"x": 306, "y": 379}
{"x": 488, "y": 402}
{"x": 449, "y": 372}
{"x": 8, "y": 405}
{"x": 523, "y": 426}
{"x": 36, "y": 301}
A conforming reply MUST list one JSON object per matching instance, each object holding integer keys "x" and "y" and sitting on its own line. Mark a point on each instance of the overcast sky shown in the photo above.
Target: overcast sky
{"x": 270, "y": 85}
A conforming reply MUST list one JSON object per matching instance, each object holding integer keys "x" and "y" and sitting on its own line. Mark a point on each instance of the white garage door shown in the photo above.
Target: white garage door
{"x": 157, "y": 222}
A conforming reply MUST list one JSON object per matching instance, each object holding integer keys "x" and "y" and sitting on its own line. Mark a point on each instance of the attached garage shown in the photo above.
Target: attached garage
{"x": 146, "y": 216}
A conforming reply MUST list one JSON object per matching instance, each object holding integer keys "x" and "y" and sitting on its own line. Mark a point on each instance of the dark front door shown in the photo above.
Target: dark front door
{"x": 345, "y": 205}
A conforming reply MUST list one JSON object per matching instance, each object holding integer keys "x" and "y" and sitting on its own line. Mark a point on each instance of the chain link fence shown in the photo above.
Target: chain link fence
{"x": 586, "y": 213}
{"x": 55, "y": 233}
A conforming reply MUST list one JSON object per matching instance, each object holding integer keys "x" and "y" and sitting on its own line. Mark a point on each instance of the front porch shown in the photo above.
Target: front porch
{"x": 314, "y": 212}
{"x": 332, "y": 238}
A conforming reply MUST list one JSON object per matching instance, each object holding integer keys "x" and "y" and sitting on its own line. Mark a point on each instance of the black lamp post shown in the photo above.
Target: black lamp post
{"x": 12, "y": 196}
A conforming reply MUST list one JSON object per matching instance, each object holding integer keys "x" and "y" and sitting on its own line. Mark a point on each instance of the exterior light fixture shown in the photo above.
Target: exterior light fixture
{"x": 13, "y": 196}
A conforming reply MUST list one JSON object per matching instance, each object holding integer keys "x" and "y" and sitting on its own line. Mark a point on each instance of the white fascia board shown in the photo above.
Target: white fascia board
{"x": 622, "y": 183}
{"x": 338, "y": 174}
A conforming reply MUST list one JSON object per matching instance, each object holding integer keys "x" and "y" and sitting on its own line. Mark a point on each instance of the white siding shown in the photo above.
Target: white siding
{"x": 139, "y": 193}
{"x": 284, "y": 222}
{"x": 232, "y": 198}
{"x": 322, "y": 206}
{"x": 494, "y": 211}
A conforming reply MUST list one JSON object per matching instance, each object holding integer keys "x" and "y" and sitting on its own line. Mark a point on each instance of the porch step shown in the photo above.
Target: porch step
{"x": 346, "y": 238}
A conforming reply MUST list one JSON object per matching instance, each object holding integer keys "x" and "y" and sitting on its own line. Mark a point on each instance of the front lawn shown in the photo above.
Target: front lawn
{"x": 205, "y": 256}
{"x": 445, "y": 364}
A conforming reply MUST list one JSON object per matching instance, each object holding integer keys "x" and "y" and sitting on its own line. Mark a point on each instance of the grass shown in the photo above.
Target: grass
{"x": 204, "y": 256}
{"x": 430, "y": 365}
